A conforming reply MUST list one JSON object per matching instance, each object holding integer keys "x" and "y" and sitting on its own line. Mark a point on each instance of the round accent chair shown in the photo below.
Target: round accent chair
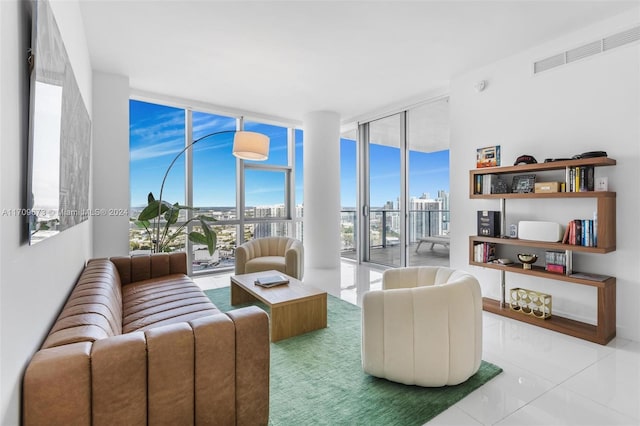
{"x": 278, "y": 253}
{"x": 424, "y": 327}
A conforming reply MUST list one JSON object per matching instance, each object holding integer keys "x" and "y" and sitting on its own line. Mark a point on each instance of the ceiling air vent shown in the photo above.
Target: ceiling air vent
{"x": 584, "y": 51}
{"x": 548, "y": 63}
{"x": 620, "y": 39}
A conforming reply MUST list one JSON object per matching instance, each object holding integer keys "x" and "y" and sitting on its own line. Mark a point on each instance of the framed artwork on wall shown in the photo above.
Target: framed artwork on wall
{"x": 523, "y": 183}
{"x": 488, "y": 156}
{"x": 59, "y": 135}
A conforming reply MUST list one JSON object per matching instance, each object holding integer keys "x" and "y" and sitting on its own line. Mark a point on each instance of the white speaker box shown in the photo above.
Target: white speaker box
{"x": 539, "y": 231}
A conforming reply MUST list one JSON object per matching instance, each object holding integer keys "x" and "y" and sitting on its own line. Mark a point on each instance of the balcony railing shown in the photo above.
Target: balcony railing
{"x": 385, "y": 230}
{"x": 384, "y": 233}
{"x": 226, "y": 230}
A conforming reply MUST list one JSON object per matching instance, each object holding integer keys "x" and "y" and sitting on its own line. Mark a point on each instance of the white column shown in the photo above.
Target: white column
{"x": 322, "y": 200}
{"x": 110, "y": 167}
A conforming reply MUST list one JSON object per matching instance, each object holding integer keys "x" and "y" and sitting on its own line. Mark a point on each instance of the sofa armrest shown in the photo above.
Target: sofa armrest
{"x": 144, "y": 267}
{"x": 242, "y": 256}
{"x": 294, "y": 260}
{"x": 57, "y": 386}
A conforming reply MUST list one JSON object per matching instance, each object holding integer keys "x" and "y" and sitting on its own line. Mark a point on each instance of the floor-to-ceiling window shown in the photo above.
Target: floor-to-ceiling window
{"x": 348, "y": 195}
{"x": 298, "y": 200}
{"x": 403, "y": 178}
{"x": 267, "y": 208}
{"x": 247, "y": 199}
{"x": 428, "y": 183}
{"x": 156, "y": 135}
{"x": 385, "y": 186}
{"x": 213, "y": 180}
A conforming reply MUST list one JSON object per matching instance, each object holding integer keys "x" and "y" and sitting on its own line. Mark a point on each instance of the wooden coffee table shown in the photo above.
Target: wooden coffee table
{"x": 295, "y": 308}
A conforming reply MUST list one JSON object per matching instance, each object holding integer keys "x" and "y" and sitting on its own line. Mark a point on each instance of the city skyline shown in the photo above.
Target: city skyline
{"x": 157, "y": 135}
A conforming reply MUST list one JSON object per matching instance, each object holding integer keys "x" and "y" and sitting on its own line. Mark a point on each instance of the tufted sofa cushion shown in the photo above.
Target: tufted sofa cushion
{"x": 161, "y": 301}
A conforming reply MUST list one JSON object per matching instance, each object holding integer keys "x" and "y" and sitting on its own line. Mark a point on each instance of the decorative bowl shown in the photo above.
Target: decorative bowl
{"x": 527, "y": 259}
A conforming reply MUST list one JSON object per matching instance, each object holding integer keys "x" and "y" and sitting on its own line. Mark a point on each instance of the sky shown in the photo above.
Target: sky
{"x": 157, "y": 136}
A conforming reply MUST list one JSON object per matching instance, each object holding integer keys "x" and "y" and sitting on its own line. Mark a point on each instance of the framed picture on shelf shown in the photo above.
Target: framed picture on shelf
{"x": 488, "y": 156}
{"x": 523, "y": 183}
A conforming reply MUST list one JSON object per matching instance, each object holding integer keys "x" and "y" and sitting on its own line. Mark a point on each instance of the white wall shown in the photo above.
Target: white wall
{"x": 110, "y": 165}
{"x": 34, "y": 280}
{"x": 593, "y": 104}
{"x": 1, "y": 138}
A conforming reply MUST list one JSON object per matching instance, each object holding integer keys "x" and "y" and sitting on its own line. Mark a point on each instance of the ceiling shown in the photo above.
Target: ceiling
{"x": 284, "y": 59}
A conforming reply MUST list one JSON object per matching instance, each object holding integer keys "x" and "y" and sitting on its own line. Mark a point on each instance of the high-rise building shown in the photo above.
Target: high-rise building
{"x": 446, "y": 215}
{"x": 426, "y": 217}
{"x": 270, "y": 229}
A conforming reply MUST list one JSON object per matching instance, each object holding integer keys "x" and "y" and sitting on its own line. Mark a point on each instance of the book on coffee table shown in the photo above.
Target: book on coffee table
{"x": 271, "y": 281}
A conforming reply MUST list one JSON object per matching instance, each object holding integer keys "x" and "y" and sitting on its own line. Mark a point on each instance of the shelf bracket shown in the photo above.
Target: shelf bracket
{"x": 503, "y": 217}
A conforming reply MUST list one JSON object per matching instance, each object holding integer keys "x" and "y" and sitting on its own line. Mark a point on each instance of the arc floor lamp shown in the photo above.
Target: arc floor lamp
{"x": 246, "y": 146}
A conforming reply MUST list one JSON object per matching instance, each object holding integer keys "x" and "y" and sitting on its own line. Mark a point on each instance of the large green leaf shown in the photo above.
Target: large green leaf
{"x": 151, "y": 211}
{"x": 181, "y": 207}
{"x": 205, "y": 217}
{"x": 142, "y": 223}
{"x": 171, "y": 216}
{"x": 212, "y": 238}
{"x": 198, "y": 238}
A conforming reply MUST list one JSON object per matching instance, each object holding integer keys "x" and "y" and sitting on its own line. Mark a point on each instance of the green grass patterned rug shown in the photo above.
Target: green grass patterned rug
{"x": 317, "y": 378}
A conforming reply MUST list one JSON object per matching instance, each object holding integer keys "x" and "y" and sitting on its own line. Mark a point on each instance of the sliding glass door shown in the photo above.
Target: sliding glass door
{"x": 404, "y": 187}
{"x": 385, "y": 189}
{"x": 428, "y": 184}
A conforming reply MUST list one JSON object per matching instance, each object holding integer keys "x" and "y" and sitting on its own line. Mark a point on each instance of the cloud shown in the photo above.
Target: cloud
{"x": 163, "y": 134}
{"x": 206, "y": 123}
{"x": 171, "y": 122}
{"x": 266, "y": 190}
{"x": 155, "y": 150}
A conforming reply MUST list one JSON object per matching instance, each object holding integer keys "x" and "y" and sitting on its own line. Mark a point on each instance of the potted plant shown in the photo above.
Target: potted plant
{"x": 161, "y": 235}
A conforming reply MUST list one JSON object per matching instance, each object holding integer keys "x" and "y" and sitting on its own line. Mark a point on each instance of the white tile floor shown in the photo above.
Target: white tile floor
{"x": 548, "y": 378}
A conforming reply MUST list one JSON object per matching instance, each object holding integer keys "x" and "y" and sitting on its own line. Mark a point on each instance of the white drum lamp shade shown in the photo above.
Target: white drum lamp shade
{"x": 251, "y": 146}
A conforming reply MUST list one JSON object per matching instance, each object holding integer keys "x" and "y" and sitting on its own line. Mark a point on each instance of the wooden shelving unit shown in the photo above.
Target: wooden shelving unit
{"x": 605, "y": 330}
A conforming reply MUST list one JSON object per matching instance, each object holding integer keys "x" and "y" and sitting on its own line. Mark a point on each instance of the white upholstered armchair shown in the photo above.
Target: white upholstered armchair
{"x": 424, "y": 328}
{"x": 279, "y": 253}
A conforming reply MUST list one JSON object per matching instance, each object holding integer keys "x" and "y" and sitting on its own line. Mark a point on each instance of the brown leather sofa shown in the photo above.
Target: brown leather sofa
{"x": 138, "y": 343}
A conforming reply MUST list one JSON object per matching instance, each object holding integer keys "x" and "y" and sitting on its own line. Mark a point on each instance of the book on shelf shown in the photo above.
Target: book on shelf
{"x": 589, "y": 276}
{"x": 484, "y": 252}
{"x": 271, "y": 281}
{"x": 488, "y": 183}
{"x": 556, "y": 262}
{"x": 580, "y": 179}
{"x": 581, "y": 232}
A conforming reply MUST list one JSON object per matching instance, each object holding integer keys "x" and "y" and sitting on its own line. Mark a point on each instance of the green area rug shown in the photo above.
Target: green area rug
{"x": 317, "y": 378}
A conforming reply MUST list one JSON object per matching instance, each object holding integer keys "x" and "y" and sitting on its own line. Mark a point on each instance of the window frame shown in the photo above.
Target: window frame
{"x": 289, "y": 170}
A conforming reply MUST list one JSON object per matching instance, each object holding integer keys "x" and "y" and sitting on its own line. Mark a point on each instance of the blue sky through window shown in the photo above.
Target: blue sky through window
{"x": 428, "y": 173}
{"x": 157, "y": 136}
